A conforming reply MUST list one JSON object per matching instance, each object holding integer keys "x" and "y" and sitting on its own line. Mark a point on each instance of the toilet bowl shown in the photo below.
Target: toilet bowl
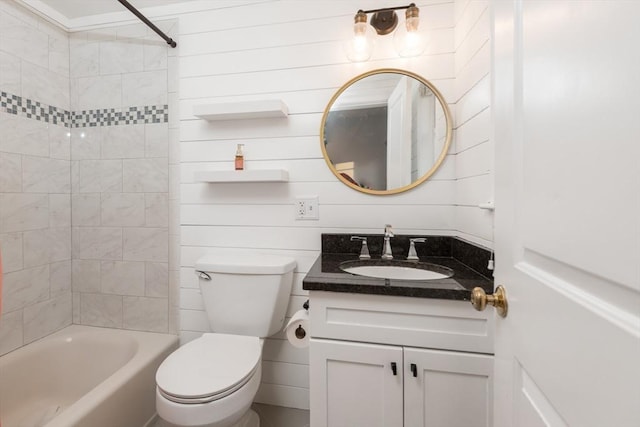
{"x": 212, "y": 380}
{"x": 218, "y": 377}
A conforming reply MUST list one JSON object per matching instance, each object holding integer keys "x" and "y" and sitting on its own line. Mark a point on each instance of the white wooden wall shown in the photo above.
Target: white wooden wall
{"x": 292, "y": 50}
{"x": 473, "y": 148}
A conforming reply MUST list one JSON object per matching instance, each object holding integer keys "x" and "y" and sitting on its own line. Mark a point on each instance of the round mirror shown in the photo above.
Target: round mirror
{"x": 385, "y": 131}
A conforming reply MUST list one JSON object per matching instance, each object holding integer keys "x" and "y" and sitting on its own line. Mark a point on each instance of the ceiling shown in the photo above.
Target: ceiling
{"x": 77, "y": 9}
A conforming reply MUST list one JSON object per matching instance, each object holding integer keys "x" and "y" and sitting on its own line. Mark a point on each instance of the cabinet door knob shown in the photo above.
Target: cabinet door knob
{"x": 394, "y": 368}
{"x": 414, "y": 370}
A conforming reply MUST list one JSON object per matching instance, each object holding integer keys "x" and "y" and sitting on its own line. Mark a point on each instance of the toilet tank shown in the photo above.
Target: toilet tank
{"x": 246, "y": 294}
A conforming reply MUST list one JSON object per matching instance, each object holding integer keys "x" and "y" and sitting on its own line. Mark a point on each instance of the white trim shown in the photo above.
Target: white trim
{"x": 46, "y": 12}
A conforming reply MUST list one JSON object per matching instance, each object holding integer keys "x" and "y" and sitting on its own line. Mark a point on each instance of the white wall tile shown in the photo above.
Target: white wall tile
{"x": 156, "y": 140}
{"x": 86, "y": 209}
{"x": 47, "y": 246}
{"x": 44, "y": 175}
{"x": 12, "y": 254}
{"x": 156, "y": 209}
{"x": 146, "y": 314}
{"x": 123, "y": 209}
{"x": 85, "y": 275}
{"x": 59, "y": 142}
{"x": 46, "y": 317}
{"x": 123, "y": 142}
{"x": 86, "y": 143}
{"x": 11, "y": 332}
{"x": 84, "y": 59}
{"x": 156, "y": 279}
{"x": 20, "y": 212}
{"x": 101, "y": 310}
{"x": 21, "y": 135}
{"x": 155, "y": 55}
{"x": 95, "y": 176}
{"x": 118, "y": 195}
{"x": 145, "y": 175}
{"x": 24, "y": 41}
{"x": 145, "y": 244}
{"x": 120, "y": 57}
{"x": 146, "y": 88}
{"x": 10, "y": 173}
{"x": 97, "y": 92}
{"x": 25, "y": 287}
{"x": 38, "y": 83}
{"x": 10, "y": 74}
{"x": 59, "y": 53}
{"x": 97, "y": 243}
{"x": 122, "y": 278}
{"x": 60, "y": 278}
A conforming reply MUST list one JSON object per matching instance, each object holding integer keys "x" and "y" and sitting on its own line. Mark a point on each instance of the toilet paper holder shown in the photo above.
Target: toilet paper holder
{"x": 300, "y": 332}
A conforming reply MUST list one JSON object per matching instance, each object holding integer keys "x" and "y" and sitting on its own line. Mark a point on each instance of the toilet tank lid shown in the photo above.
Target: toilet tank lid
{"x": 246, "y": 264}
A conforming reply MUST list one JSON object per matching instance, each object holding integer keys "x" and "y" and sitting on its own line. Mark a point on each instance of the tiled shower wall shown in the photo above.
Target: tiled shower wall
{"x": 120, "y": 178}
{"x": 84, "y": 173}
{"x": 35, "y": 186}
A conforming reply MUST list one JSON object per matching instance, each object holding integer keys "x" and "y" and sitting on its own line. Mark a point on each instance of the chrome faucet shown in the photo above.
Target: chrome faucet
{"x": 388, "y": 234}
{"x": 364, "y": 250}
{"x": 413, "y": 255}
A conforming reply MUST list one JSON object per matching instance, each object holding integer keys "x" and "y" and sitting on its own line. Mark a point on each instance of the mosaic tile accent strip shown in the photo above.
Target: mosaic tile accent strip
{"x": 14, "y": 104}
{"x": 115, "y": 117}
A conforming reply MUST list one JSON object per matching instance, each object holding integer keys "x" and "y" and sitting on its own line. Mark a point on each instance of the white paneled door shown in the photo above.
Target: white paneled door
{"x": 566, "y": 105}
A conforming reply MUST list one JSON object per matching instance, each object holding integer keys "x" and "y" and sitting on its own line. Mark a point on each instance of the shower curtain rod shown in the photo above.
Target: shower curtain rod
{"x": 150, "y": 24}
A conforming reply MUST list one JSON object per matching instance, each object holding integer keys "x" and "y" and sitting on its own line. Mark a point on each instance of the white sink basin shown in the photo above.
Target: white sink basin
{"x": 403, "y": 271}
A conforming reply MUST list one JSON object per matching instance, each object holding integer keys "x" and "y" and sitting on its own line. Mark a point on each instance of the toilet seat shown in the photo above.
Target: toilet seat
{"x": 209, "y": 368}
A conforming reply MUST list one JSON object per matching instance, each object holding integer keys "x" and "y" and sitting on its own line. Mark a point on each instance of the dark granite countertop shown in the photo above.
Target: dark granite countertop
{"x": 326, "y": 275}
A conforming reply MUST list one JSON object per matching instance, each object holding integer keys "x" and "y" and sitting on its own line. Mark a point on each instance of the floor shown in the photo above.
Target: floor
{"x": 273, "y": 416}
{"x": 277, "y": 416}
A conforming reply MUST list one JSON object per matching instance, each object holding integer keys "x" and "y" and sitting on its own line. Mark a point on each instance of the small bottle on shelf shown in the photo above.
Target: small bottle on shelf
{"x": 239, "y": 158}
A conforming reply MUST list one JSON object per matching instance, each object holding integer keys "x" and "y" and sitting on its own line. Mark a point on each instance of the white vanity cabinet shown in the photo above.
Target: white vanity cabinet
{"x": 397, "y": 361}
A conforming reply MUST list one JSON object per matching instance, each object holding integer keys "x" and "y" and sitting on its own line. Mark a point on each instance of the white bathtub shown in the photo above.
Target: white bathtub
{"x": 83, "y": 376}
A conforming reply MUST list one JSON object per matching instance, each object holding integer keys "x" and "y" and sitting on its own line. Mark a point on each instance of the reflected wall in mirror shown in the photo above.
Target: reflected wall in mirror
{"x": 385, "y": 131}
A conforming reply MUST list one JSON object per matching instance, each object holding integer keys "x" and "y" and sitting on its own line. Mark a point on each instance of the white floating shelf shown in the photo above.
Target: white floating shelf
{"x": 242, "y": 110}
{"x": 257, "y": 175}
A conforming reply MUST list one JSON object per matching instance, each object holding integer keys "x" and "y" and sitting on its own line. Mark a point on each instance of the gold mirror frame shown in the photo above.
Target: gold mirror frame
{"x": 437, "y": 163}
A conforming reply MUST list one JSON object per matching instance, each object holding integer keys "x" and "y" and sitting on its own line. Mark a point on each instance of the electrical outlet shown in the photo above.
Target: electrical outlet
{"x": 307, "y": 208}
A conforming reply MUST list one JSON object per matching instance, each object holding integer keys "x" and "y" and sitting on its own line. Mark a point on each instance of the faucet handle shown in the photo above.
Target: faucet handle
{"x": 388, "y": 230}
{"x": 364, "y": 251}
{"x": 413, "y": 255}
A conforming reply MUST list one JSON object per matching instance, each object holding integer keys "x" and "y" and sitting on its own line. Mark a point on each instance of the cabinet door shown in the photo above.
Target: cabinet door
{"x": 449, "y": 389}
{"x": 353, "y": 384}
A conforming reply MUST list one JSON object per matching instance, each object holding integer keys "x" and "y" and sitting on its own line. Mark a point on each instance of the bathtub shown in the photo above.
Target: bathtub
{"x": 83, "y": 376}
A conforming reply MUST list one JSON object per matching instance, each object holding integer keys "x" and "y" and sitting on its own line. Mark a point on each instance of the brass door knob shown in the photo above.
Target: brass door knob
{"x": 479, "y": 300}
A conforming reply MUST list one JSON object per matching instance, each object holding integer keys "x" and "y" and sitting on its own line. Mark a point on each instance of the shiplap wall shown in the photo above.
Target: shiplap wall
{"x": 292, "y": 50}
{"x": 473, "y": 145}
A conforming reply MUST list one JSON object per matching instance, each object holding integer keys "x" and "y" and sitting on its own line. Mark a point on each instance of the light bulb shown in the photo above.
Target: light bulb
{"x": 409, "y": 40}
{"x": 360, "y": 46}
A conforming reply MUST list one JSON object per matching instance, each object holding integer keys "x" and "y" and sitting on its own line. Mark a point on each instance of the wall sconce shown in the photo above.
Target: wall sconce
{"x": 408, "y": 40}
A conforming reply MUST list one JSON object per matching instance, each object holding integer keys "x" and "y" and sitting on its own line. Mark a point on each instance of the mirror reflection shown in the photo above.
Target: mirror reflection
{"x": 385, "y": 131}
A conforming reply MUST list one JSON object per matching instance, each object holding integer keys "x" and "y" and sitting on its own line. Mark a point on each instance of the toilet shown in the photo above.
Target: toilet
{"x": 212, "y": 380}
